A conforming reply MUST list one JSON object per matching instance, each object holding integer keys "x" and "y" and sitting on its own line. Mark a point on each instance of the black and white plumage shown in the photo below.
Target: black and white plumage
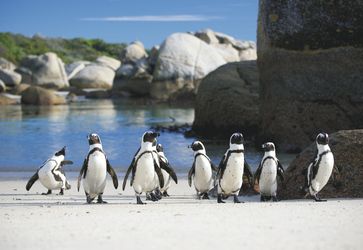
{"x": 201, "y": 172}
{"x": 94, "y": 170}
{"x": 232, "y": 168}
{"x": 166, "y": 175}
{"x": 267, "y": 172}
{"x": 320, "y": 169}
{"x": 146, "y": 168}
{"x": 51, "y": 174}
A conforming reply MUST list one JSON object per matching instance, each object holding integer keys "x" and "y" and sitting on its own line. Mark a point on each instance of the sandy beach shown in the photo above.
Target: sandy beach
{"x": 30, "y": 220}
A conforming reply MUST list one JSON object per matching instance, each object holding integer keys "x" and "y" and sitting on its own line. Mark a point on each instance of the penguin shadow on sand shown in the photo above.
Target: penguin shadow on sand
{"x": 51, "y": 174}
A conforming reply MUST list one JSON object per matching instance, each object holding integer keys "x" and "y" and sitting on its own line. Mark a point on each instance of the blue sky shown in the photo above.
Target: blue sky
{"x": 120, "y": 21}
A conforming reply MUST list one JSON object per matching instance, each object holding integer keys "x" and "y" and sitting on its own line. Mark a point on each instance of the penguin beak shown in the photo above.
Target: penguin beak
{"x": 61, "y": 152}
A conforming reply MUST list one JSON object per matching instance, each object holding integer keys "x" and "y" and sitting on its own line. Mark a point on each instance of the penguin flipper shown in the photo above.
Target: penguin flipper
{"x": 248, "y": 173}
{"x": 280, "y": 173}
{"x": 132, "y": 166}
{"x": 31, "y": 181}
{"x": 190, "y": 174}
{"x": 222, "y": 167}
{"x": 160, "y": 175}
{"x": 113, "y": 174}
{"x": 214, "y": 167}
{"x": 166, "y": 166}
{"x": 83, "y": 170}
{"x": 65, "y": 163}
{"x": 257, "y": 174}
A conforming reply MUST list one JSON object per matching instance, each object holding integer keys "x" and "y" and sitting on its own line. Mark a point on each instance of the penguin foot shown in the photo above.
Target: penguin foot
{"x": 100, "y": 200}
{"x": 61, "y": 191}
{"x": 153, "y": 197}
{"x": 89, "y": 200}
{"x": 265, "y": 198}
{"x": 158, "y": 194}
{"x": 165, "y": 194}
{"x": 138, "y": 200}
{"x": 236, "y": 200}
{"x": 148, "y": 197}
{"x": 219, "y": 199}
{"x": 49, "y": 192}
{"x": 205, "y": 196}
{"x": 275, "y": 199}
{"x": 318, "y": 199}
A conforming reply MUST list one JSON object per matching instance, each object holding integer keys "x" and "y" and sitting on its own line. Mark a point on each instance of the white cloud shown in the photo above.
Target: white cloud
{"x": 156, "y": 18}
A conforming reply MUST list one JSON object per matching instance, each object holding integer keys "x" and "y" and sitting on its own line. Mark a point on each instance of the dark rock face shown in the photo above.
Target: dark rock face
{"x": 347, "y": 147}
{"x": 310, "y": 60}
{"x": 227, "y": 101}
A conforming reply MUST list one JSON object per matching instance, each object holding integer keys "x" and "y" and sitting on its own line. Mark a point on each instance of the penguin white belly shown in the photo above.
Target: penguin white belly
{"x": 232, "y": 177}
{"x": 202, "y": 175}
{"x": 324, "y": 172}
{"x": 95, "y": 181}
{"x": 267, "y": 181}
{"x": 145, "y": 180}
{"x": 47, "y": 178}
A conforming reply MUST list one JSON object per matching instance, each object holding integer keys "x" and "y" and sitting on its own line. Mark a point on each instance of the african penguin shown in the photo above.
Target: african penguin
{"x": 166, "y": 175}
{"x": 267, "y": 172}
{"x": 232, "y": 168}
{"x": 201, "y": 172}
{"x": 51, "y": 174}
{"x": 94, "y": 170}
{"x": 320, "y": 169}
{"x": 145, "y": 166}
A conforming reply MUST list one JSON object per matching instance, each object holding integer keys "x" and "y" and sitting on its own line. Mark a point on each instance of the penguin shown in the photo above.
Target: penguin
{"x": 320, "y": 168}
{"x": 201, "y": 172}
{"x": 51, "y": 174}
{"x": 166, "y": 175}
{"x": 146, "y": 168}
{"x": 94, "y": 170}
{"x": 232, "y": 168}
{"x": 267, "y": 172}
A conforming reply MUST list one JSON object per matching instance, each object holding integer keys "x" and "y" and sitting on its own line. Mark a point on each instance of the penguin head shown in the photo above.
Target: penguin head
{"x": 268, "y": 146}
{"x": 150, "y": 136}
{"x": 197, "y": 145}
{"x": 322, "y": 139}
{"x": 237, "y": 138}
{"x": 61, "y": 152}
{"x": 93, "y": 139}
{"x": 159, "y": 148}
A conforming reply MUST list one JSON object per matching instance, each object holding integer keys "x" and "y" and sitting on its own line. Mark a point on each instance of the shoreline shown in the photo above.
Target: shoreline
{"x": 30, "y": 220}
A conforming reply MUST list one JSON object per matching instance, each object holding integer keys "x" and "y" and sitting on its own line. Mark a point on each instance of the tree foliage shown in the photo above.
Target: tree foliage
{"x": 14, "y": 47}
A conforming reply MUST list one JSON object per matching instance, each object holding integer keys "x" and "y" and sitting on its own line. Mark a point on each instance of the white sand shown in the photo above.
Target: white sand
{"x": 33, "y": 221}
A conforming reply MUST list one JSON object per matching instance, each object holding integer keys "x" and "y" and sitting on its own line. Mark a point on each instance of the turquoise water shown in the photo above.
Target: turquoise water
{"x": 31, "y": 134}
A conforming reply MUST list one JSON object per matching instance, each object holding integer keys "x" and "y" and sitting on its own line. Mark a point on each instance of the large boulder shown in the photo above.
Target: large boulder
{"x": 110, "y": 62}
{"x": 310, "y": 59}
{"x": 26, "y": 74}
{"x": 133, "y": 52}
{"x": 347, "y": 148}
{"x": 10, "y": 77}
{"x": 94, "y": 76}
{"x": 227, "y": 101}
{"x": 5, "y": 64}
{"x": 182, "y": 58}
{"x": 35, "y": 95}
{"x": 2, "y": 86}
{"x": 48, "y": 70}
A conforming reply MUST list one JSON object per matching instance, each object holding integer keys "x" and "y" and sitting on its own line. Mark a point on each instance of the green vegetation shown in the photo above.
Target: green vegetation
{"x": 14, "y": 47}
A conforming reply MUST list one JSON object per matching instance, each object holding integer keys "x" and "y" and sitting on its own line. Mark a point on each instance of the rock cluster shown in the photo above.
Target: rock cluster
{"x": 168, "y": 72}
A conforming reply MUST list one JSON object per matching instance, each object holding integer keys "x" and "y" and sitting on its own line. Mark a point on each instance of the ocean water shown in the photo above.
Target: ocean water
{"x": 31, "y": 134}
